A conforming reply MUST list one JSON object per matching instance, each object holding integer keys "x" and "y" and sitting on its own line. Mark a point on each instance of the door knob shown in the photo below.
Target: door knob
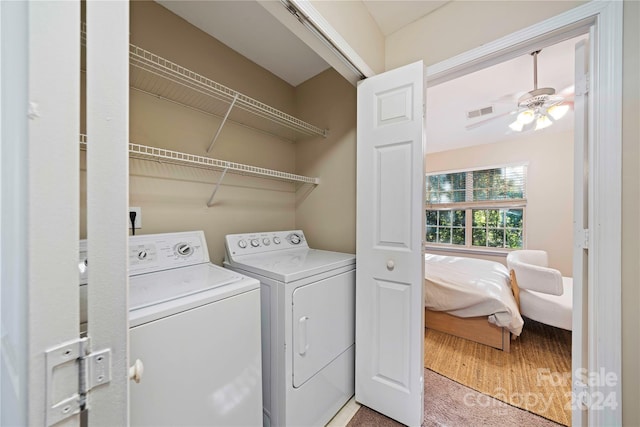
{"x": 390, "y": 265}
{"x": 136, "y": 371}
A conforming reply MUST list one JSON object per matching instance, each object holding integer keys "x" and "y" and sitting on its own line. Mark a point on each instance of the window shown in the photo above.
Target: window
{"x": 478, "y": 208}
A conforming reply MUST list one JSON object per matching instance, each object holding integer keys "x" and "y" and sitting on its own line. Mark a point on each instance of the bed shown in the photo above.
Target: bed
{"x": 472, "y": 299}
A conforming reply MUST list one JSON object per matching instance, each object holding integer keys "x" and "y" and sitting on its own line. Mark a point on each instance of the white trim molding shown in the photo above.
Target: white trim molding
{"x": 604, "y": 18}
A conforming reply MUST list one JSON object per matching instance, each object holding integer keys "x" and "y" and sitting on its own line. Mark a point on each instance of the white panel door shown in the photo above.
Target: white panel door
{"x": 107, "y": 202}
{"x": 390, "y": 230}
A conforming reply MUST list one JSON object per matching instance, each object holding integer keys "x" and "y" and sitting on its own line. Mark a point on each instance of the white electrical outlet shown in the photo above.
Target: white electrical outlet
{"x": 138, "y": 221}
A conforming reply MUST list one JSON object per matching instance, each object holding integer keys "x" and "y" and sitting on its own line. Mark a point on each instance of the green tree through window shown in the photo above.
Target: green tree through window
{"x": 480, "y": 208}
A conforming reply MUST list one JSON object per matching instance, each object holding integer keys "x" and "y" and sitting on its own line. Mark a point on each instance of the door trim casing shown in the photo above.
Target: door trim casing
{"x": 605, "y": 194}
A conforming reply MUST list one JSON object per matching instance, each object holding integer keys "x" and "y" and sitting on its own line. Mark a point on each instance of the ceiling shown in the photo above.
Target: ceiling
{"x": 249, "y": 29}
{"x": 498, "y": 86}
{"x": 393, "y": 15}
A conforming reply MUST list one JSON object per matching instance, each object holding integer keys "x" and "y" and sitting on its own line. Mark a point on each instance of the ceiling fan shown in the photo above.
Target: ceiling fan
{"x": 536, "y": 109}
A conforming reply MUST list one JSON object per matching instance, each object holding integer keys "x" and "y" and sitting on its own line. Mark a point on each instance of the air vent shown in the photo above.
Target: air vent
{"x": 480, "y": 112}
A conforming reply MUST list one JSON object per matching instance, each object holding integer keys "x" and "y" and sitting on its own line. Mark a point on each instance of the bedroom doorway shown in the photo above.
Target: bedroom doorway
{"x": 537, "y": 213}
{"x": 596, "y": 250}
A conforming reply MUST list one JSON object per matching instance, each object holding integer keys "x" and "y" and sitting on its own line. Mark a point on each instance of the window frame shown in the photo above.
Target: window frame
{"x": 468, "y": 206}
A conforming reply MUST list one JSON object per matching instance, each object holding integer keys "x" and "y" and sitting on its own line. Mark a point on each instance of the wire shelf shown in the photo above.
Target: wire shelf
{"x": 158, "y": 76}
{"x": 175, "y": 157}
{"x": 161, "y": 77}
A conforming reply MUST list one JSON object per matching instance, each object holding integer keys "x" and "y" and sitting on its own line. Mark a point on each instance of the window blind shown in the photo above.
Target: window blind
{"x": 494, "y": 187}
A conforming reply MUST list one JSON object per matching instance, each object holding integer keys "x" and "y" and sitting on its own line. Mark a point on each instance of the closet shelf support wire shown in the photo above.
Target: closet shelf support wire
{"x": 215, "y": 189}
{"x": 224, "y": 120}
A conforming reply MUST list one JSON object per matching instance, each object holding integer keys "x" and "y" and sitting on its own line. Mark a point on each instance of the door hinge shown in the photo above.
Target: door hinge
{"x": 582, "y": 85}
{"x": 580, "y": 396}
{"x": 581, "y": 239}
{"x": 93, "y": 369}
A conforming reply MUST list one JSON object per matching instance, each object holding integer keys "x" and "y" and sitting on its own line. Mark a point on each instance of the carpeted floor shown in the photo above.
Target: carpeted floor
{"x": 447, "y": 403}
{"x": 535, "y": 376}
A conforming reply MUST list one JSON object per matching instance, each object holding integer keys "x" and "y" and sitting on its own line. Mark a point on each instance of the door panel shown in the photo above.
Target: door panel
{"x": 390, "y": 229}
{"x": 393, "y": 195}
{"x": 390, "y": 365}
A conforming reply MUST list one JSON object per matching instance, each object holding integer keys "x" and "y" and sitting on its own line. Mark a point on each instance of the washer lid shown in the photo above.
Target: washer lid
{"x": 161, "y": 287}
{"x": 291, "y": 265}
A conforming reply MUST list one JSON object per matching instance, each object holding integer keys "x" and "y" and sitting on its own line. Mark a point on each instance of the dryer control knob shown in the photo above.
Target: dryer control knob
{"x": 255, "y": 243}
{"x": 266, "y": 241}
{"x": 276, "y": 240}
{"x": 242, "y": 244}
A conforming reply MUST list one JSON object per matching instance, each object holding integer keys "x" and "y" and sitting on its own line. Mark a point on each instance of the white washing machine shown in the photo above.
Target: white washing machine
{"x": 186, "y": 316}
{"x": 308, "y": 324}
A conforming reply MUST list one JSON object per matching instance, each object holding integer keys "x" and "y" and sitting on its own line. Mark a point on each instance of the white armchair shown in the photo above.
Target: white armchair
{"x": 545, "y": 296}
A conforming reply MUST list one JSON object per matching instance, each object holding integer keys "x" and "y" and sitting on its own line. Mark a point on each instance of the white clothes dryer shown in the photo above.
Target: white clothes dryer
{"x": 308, "y": 324}
{"x": 185, "y": 317}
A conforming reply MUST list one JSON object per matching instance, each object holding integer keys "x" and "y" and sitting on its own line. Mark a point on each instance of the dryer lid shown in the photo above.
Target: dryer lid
{"x": 291, "y": 265}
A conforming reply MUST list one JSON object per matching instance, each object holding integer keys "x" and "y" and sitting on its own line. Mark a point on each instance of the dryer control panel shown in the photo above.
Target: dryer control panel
{"x": 268, "y": 241}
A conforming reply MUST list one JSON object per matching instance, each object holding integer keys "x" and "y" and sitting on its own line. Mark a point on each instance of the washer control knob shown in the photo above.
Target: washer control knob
{"x": 276, "y": 240}
{"x": 242, "y": 243}
{"x": 184, "y": 249}
{"x": 266, "y": 241}
{"x": 142, "y": 254}
{"x": 255, "y": 243}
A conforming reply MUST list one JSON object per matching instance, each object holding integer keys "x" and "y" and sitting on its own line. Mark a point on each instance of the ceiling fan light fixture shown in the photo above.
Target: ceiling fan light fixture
{"x": 516, "y": 126}
{"x": 526, "y": 117}
{"x": 558, "y": 111}
{"x": 543, "y": 122}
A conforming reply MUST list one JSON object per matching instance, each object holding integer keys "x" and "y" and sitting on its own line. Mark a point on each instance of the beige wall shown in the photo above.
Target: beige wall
{"x": 460, "y": 26}
{"x": 173, "y": 198}
{"x": 549, "y": 212}
{"x": 630, "y": 216}
{"x": 352, "y": 21}
{"x": 327, "y": 214}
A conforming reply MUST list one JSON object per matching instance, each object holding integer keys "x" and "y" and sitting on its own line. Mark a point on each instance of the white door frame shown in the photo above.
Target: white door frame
{"x": 604, "y": 245}
{"x": 41, "y": 170}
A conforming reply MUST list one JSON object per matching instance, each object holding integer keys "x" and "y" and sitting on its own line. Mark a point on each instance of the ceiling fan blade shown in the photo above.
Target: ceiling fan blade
{"x": 488, "y": 120}
{"x": 567, "y": 91}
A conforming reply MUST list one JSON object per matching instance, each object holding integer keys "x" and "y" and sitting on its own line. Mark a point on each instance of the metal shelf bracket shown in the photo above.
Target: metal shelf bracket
{"x": 215, "y": 189}
{"x": 224, "y": 120}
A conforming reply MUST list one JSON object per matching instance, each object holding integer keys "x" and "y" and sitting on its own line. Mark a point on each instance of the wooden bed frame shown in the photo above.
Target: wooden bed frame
{"x": 476, "y": 329}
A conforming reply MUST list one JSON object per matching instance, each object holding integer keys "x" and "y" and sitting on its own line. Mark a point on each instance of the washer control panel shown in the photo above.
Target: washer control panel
{"x": 253, "y": 243}
{"x": 156, "y": 252}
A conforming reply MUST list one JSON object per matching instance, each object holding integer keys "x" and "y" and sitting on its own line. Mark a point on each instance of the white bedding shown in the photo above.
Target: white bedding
{"x": 468, "y": 287}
